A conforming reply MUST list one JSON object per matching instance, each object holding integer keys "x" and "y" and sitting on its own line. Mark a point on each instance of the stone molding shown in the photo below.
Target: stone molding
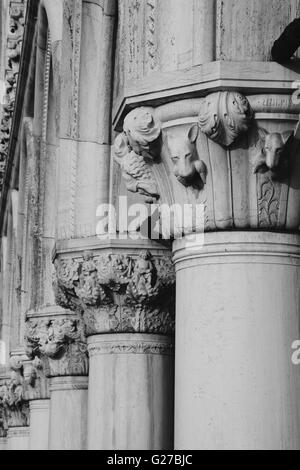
{"x": 68, "y": 383}
{"x": 133, "y": 344}
{"x": 17, "y": 9}
{"x": 118, "y": 293}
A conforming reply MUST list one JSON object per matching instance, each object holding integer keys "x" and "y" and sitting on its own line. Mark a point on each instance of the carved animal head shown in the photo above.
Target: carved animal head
{"x": 272, "y": 149}
{"x": 184, "y": 156}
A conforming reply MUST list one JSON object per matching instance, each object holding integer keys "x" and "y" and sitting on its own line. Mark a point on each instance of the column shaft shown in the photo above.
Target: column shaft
{"x": 130, "y": 392}
{"x": 68, "y": 413}
{"x": 18, "y": 438}
{"x": 39, "y": 424}
{"x": 236, "y": 386}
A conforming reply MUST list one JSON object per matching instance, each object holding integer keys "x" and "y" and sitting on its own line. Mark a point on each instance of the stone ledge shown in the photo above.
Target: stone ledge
{"x": 247, "y": 77}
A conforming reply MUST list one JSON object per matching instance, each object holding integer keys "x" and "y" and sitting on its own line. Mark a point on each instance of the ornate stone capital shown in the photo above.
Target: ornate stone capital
{"x": 235, "y": 155}
{"x": 13, "y": 401}
{"x": 119, "y": 293}
{"x": 60, "y": 341}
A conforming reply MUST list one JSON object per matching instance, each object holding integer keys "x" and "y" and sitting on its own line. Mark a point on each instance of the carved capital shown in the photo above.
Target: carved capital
{"x": 236, "y": 158}
{"x": 14, "y": 405}
{"x": 119, "y": 293}
{"x": 61, "y": 341}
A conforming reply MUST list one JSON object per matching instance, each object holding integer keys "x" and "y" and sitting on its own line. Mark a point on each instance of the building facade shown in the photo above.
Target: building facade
{"x": 118, "y": 117}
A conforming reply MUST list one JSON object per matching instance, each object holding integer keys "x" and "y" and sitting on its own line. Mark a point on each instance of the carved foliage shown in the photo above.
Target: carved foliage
{"x": 136, "y": 149}
{"x": 118, "y": 292}
{"x": 13, "y": 401}
{"x": 13, "y": 53}
{"x": 224, "y": 116}
{"x": 62, "y": 341}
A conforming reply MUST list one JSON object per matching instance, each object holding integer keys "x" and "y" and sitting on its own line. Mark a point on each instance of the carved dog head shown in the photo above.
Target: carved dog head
{"x": 273, "y": 146}
{"x": 184, "y": 156}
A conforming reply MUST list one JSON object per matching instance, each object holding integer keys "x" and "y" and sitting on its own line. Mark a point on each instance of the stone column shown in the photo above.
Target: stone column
{"x": 236, "y": 385}
{"x": 130, "y": 388}
{"x": 18, "y": 438}
{"x": 68, "y": 413}
{"x": 37, "y": 392}
{"x": 59, "y": 339}
{"x": 3, "y": 443}
{"x": 127, "y": 298}
{"x": 39, "y": 424}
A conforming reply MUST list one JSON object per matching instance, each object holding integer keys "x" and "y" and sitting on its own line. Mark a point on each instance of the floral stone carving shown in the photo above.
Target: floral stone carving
{"x": 13, "y": 54}
{"x": 224, "y": 116}
{"x": 60, "y": 340}
{"x": 13, "y": 401}
{"x": 119, "y": 293}
{"x": 136, "y": 150}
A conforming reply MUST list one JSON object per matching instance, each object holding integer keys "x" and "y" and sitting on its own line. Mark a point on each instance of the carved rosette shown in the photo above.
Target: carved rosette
{"x": 118, "y": 293}
{"x": 13, "y": 54}
{"x": 61, "y": 344}
{"x": 14, "y": 406}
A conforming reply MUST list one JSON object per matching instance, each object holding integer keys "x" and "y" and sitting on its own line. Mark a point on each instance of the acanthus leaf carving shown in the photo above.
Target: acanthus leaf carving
{"x": 123, "y": 293}
{"x": 13, "y": 400}
{"x": 224, "y": 116}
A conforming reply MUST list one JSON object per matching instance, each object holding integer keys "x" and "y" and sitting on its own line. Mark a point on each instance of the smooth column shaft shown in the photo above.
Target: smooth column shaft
{"x": 18, "y": 438}
{"x": 236, "y": 386}
{"x": 130, "y": 392}
{"x": 39, "y": 424}
{"x": 68, "y": 413}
